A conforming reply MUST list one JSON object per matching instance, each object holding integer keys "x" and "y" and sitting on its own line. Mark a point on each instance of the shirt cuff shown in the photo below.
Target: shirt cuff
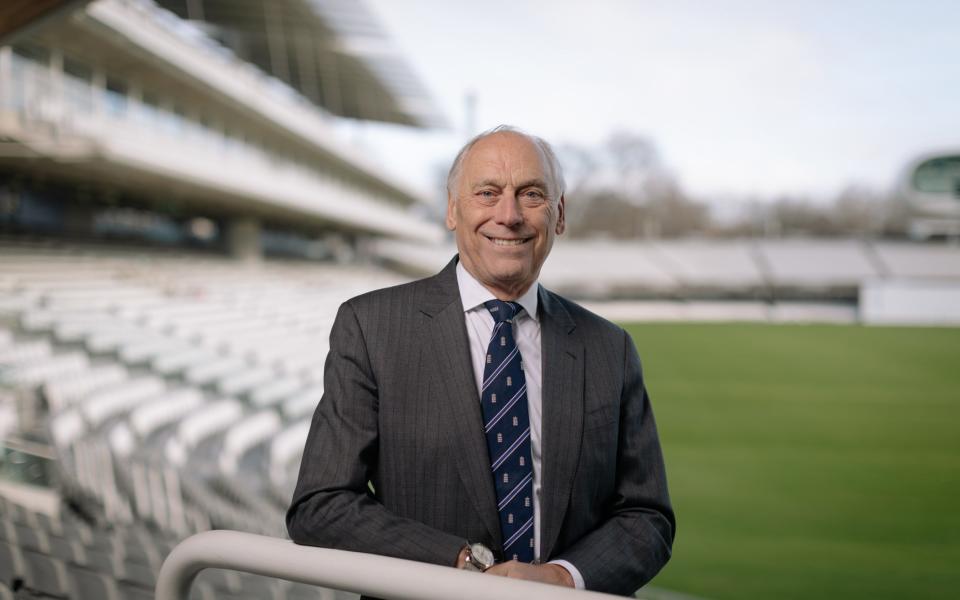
{"x": 574, "y": 572}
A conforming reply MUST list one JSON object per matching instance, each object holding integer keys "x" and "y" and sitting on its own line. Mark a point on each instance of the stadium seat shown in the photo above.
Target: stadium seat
{"x": 45, "y": 575}
{"x": 121, "y": 398}
{"x": 51, "y": 367}
{"x": 242, "y": 382}
{"x": 209, "y": 373}
{"x": 243, "y": 436}
{"x": 16, "y": 355}
{"x": 208, "y": 421}
{"x": 174, "y": 362}
{"x": 151, "y": 416}
{"x": 275, "y": 391}
{"x": 24, "y": 536}
{"x": 67, "y": 390}
{"x": 92, "y": 584}
{"x": 304, "y": 403}
{"x": 12, "y": 566}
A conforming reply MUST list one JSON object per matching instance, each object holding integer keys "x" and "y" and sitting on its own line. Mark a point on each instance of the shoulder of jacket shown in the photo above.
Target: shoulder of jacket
{"x": 587, "y": 320}
{"x": 375, "y": 299}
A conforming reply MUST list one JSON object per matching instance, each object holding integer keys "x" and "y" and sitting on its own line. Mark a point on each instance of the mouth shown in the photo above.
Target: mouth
{"x": 507, "y": 242}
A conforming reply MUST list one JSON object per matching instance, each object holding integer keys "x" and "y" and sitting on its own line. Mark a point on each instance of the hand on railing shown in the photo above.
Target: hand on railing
{"x": 380, "y": 576}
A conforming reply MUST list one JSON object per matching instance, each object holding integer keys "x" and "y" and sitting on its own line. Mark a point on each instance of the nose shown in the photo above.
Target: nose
{"x": 508, "y": 211}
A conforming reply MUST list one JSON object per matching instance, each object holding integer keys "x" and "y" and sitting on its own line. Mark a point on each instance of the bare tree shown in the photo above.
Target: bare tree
{"x": 621, "y": 189}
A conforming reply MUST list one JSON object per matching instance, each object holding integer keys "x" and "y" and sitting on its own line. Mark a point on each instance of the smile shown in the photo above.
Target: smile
{"x": 508, "y": 242}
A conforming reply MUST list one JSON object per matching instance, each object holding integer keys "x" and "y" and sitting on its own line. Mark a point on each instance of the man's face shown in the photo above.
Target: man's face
{"x": 505, "y": 213}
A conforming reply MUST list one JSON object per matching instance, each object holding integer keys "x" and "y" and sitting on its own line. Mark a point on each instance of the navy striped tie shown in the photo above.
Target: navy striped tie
{"x": 503, "y": 396}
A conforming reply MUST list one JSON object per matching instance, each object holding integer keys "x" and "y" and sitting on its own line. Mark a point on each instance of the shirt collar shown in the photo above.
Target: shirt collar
{"x": 473, "y": 294}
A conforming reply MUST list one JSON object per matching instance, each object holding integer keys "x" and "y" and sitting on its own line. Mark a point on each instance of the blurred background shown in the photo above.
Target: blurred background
{"x": 767, "y": 197}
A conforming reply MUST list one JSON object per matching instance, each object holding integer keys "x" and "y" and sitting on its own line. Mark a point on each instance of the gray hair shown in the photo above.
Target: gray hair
{"x": 553, "y": 164}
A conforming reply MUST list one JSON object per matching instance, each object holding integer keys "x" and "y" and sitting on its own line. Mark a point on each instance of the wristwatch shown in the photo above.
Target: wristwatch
{"x": 479, "y": 558}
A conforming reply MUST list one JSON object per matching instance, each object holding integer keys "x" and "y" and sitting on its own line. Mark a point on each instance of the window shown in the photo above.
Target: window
{"x": 78, "y": 85}
{"x": 939, "y": 176}
{"x": 115, "y": 96}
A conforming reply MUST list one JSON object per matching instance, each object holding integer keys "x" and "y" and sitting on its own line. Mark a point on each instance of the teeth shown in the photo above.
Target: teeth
{"x": 500, "y": 242}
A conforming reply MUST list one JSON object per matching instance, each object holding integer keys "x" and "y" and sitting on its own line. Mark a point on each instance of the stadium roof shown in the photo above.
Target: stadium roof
{"x": 331, "y": 51}
{"x": 19, "y": 16}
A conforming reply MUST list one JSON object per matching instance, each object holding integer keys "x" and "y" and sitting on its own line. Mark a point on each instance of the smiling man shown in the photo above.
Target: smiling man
{"x": 477, "y": 420}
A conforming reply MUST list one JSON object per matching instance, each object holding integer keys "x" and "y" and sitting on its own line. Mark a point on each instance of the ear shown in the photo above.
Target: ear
{"x": 561, "y": 217}
{"x": 451, "y": 213}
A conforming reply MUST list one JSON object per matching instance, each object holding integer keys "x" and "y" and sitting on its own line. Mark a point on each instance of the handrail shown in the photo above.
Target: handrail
{"x": 380, "y": 576}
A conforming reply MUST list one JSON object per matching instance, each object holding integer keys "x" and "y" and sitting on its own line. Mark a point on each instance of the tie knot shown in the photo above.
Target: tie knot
{"x": 502, "y": 311}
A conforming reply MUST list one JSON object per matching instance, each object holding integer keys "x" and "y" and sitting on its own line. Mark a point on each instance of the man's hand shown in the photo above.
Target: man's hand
{"x": 544, "y": 573}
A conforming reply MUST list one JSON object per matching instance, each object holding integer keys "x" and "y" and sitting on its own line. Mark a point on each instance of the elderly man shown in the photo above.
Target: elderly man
{"x": 475, "y": 419}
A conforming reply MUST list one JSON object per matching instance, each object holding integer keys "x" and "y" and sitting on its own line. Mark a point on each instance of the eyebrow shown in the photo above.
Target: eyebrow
{"x": 540, "y": 183}
{"x": 524, "y": 184}
{"x": 487, "y": 182}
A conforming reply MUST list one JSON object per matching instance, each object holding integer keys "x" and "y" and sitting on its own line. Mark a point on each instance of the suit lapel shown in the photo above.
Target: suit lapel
{"x": 563, "y": 380}
{"x": 446, "y": 333}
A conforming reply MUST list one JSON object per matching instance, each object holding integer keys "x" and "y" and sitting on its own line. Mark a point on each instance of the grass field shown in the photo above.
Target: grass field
{"x": 809, "y": 461}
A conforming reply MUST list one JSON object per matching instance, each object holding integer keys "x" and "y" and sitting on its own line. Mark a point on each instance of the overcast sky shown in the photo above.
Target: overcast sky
{"x": 742, "y": 97}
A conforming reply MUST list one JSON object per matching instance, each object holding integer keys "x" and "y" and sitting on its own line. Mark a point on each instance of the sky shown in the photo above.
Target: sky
{"x": 744, "y": 99}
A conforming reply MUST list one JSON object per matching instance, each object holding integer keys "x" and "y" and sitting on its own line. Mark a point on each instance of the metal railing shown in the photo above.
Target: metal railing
{"x": 380, "y": 576}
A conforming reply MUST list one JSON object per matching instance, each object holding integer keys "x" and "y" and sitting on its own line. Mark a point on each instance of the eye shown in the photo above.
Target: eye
{"x": 533, "y": 195}
{"x": 486, "y": 193}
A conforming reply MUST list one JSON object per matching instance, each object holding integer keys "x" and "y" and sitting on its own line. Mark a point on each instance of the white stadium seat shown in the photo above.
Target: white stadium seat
{"x": 243, "y": 381}
{"x": 67, "y": 427}
{"x": 65, "y": 391}
{"x": 169, "y": 408}
{"x": 202, "y": 424}
{"x": 180, "y": 359}
{"x": 246, "y": 434}
{"x": 52, "y": 367}
{"x": 207, "y": 373}
{"x": 121, "y": 398}
{"x": 275, "y": 391}
{"x": 287, "y": 447}
{"x": 303, "y": 403}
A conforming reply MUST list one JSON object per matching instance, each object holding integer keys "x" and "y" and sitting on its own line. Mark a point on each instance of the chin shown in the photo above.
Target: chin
{"x": 511, "y": 277}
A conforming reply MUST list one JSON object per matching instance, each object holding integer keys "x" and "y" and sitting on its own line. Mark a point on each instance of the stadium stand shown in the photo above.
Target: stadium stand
{"x": 717, "y": 267}
{"x": 804, "y": 264}
{"x": 772, "y": 280}
{"x": 915, "y": 261}
{"x": 165, "y": 415}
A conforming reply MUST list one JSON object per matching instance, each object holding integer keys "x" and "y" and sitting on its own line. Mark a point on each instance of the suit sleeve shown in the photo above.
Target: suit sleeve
{"x": 628, "y": 548}
{"x": 333, "y": 505}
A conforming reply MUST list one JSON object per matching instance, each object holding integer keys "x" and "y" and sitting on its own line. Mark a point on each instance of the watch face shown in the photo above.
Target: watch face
{"x": 482, "y": 554}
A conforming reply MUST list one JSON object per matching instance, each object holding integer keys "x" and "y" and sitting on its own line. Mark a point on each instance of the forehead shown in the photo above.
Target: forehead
{"x": 505, "y": 154}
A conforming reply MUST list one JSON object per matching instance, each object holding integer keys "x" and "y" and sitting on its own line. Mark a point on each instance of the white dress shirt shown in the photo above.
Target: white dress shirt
{"x": 526, "y": 331}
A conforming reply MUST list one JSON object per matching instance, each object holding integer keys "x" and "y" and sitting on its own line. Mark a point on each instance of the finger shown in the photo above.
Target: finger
{"x": 502, "y": 569}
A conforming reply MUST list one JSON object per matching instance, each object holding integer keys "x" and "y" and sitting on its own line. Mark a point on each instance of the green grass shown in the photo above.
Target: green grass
{"x": 809, "y": 461}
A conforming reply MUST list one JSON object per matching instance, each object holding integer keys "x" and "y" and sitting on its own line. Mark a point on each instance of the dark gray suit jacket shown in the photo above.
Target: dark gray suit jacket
{"x": 401, "y": 411}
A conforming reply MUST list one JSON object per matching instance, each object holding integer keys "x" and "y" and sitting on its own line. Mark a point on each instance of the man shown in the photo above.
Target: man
{"x": 475, "y": 410}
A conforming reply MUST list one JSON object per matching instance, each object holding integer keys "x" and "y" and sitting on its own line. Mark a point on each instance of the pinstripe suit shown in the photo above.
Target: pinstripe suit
{"x": 401, "y": 411}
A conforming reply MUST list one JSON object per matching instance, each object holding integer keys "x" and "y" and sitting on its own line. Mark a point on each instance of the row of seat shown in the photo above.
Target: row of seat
{"x": 179, "y": 396}
{"x": 691, "y": 266}
{"x": 49, "y": 557}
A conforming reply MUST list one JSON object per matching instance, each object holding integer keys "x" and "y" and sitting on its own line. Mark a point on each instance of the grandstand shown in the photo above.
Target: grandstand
{"x": 175, "y": 212}
{"x": 774, "y": 280}
{"x": 175, "y": 391}
{"x": 124, "y": 118}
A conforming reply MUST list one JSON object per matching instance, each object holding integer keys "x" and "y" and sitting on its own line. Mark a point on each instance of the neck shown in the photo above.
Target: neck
{"x": 506, "y": 291}
{"x": 506, "y": 294}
